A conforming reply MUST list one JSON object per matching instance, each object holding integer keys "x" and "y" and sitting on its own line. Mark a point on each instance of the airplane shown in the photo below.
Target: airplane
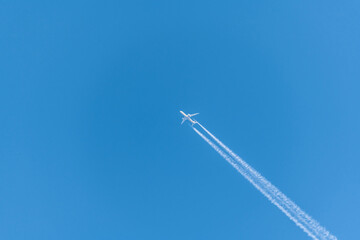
{"x": 188, "y": 117}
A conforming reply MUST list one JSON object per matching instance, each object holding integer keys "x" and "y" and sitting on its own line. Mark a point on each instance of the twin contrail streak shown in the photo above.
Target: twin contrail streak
{"x": 289, "y": 208}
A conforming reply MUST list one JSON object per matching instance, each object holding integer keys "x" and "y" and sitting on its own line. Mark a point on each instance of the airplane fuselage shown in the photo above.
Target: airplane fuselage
{"x": 187, "y": 117}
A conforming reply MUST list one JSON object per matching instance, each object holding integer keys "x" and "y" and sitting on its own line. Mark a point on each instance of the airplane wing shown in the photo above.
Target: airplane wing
{"x": 191, "y": 115}
{"x": 183, "y": 120}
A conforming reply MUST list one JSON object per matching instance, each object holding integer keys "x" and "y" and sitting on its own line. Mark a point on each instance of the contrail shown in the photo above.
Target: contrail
{"x": 289, "y": 208}
{"x": 241, "y": 170}
{"x": 311, "y": 223}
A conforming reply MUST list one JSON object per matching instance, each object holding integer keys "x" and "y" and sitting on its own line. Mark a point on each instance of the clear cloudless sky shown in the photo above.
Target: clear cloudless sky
{"x": 91, "y": 144}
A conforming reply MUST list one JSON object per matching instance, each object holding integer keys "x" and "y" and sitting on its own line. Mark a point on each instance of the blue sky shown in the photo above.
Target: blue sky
{"x": 91, "y": 144}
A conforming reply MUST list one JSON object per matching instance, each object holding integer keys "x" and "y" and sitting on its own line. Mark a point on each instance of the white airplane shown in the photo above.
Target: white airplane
{"x": 188, "y": 117}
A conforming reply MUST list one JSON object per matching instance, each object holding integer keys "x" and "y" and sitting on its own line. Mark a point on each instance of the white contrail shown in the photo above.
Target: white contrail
{"x": 289, "y": 208}
{"x": 241, "y": 170}
{"x": 311, "y": 223}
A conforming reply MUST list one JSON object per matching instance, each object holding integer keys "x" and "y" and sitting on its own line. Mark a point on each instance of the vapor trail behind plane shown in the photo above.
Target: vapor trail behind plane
{"x": 289, "y": 208}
